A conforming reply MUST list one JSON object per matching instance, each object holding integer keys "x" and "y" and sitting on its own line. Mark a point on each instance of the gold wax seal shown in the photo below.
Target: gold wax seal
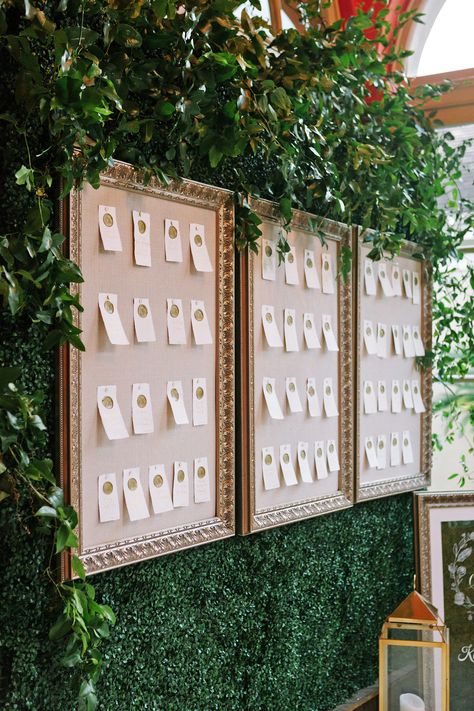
{"x": 174, "y": 311}
{"x": 172, "y": 232}
{"x": 291, "y": 258}
{"x": 268, "y": 459}
{"x": 382, "y": 388}
{"x": 368, "y": 330}
{"x": 309, "y": 263}
{"x": 303, "y": 454}
{"x": 108, "y": 219}
{"x": 406, "y": 386}
{"x": 405, "y": 442}
{"x": 368, "y": 389}
{"x": 132, "y": 484}
{"x": 405, "y": 336}
{"x": 291, "y": 387}
{"x": 107, "y": 487}
{"x": 395, "y": 389}
{"x": 382, "y": 332}
{"x": 326, "y": 265}
{"x": 382, "y": 273}
{"x": 331, "y": 448}
{"x": 415, "y": 280}
{"x": 368, "y": 269}
{"x": 415, "y": 334}
{"x": 107, "y": 402}
{"x": 198, "y": 240}
{"x": 395, "y": 441}
{"x": 108, "y": 306}
{"x": 380, "y": 445}
{"x": 158, "y": 481}
{"x": 269, "y": 317}
{"x": 309, "y": 324}
{"x": 175, "y": 393}
{"x": 286, "y": 457}
{"x": 311, "y": 390}
{"x": 141, "y": 401}
{"x": 201, "y": 472}
{"x": 268, "y": 387}
{"x": 199, "y": 393}
{"x": 199, "y": 315}
{"x": 181, "y": 476}
{"x": 141, "y": 226}
{"x": 395, "y": 274}
{"x": 327, "y": 325}
{"x": 369, "y": 444}
{"x": 268, "y": 251}
{"x": 289, "y": 319}
{"x": 319, "y": 452}
{"x": 328, "y": 390}
{"x": 415, "y": 389}
{"x": 142, "y": 311}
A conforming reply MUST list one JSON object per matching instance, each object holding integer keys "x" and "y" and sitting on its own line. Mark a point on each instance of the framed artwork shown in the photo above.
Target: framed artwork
{"x": 147, "y": 411}
{"x": 445, "y": 548}
{"x": 296, "y": 374}
{"x": 393, "y": 393}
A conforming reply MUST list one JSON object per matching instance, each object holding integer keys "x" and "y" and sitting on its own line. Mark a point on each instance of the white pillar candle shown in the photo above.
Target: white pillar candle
{"x": 411, "y": 702}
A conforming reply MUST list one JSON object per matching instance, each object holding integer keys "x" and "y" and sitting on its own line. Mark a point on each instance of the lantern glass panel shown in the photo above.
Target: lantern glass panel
{"x": 414, "y": 676}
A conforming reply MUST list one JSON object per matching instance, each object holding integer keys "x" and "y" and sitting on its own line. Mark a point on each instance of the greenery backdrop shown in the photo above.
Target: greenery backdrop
{"x": 320, "y": 121}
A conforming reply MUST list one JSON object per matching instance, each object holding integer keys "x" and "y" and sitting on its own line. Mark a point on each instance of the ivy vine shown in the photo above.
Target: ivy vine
{"x": 319, "y": 120}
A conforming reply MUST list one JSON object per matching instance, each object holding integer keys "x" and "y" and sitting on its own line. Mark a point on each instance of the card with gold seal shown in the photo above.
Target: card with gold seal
{"x": 147, "y": 410}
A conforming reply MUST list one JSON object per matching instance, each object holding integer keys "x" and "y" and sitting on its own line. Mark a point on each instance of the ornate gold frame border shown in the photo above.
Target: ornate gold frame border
{"x": 424, "y": 502}
{"x": 395, "y": 485}
{"x": 252, "y": 520}
{"x": 126, "y": 177}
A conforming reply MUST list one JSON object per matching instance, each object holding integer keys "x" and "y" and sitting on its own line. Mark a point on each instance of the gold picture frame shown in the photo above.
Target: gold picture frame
{"x": 395, "y": 482}
{"x": 197, "y": 203}
{"x": 254, "y": 517}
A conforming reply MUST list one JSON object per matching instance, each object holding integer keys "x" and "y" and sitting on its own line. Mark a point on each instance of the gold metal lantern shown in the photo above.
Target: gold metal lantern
{"x": 414, "y": 658}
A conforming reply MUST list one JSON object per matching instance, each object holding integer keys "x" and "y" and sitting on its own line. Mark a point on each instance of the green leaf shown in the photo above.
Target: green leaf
{"x": 215, "y": 155}
{"x": 25, "y": 176}
{"x": 78, "y": 567}
{"x": 60, "y": 628}
{"x": 46, "y": 512}
{"x": 128, "y": 36}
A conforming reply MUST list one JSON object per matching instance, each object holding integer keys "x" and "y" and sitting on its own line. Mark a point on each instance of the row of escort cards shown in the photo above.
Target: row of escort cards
{"x": 324, "y": 456}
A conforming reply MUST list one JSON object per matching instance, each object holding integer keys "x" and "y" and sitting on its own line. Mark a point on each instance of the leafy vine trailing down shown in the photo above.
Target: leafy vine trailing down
{"x": 320, "y": 120}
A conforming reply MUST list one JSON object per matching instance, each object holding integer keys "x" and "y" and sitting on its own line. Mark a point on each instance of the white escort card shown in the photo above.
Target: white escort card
{"x": 109, "y": 507}
{"x": 173, "y": 249}
{"x": 291, "y": 337}
{"x": 382, "y": 399}
{"x": 200, "y": 323}
{"x": 291, "y": 267}
{"x": 143, "y": 321}
{"x": 396, "y": 280}
{"x": 108, "y": 305}
{"x": 383, "y": 278}
{"x": 407, "y": 395}
{"x": 328, "y": 331}
{"x": 407, "y": 283}
{"x": 320, "y": 460}
{"x": 199, "y": 253}
{"x": 110, "y": 413}
{"x": 332, "y": 456}
{"x": 303, "y": 463}
{"x": 327, "y": 274}
{"x": 417, "y": 342}
{"x": 370, "y": 452}
{"x": 175, "y": 322}
{"x": 141, "y": 238}
{"x": 268, "y": 260}
{"x": 134, "y": 495}
{"x": 180, "y": 485}
{"x": 310, "y": 333}
{"x": 293, "y": 396}
{"x": 199, "y": 402}
{"x": 329, "y": 400}
{"x": 382, "y": 340}
{"x": 159, "y": 488}
{"x": 369, "y": 278}
{"x": 408, "y": 347}
{"x": 370, "y": 401}
{"x": 269, "y": 469}
{"x": 417, "y": 399}
{"x": 396, "y": 396}
{"x": 310, "y": 271}
{"x": 270, "y": 328}
{"x": 108, "y": 228}
{"x": 395, "y": 450}
{"x": 174, "y": 391}
{"x": 381, "y": 451}
{"x": 202, "y": 486}
{"x": 142, "y": 414}
{"x": 286, "y": 463}
{"x": 314, "y": 405}
{"x": 397, "y": 340}
{"x": 369, "y": 337}
{"x": 416, "y": 289}
{"x": 407, "y": 452}
{"x": 271, "y": 399}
